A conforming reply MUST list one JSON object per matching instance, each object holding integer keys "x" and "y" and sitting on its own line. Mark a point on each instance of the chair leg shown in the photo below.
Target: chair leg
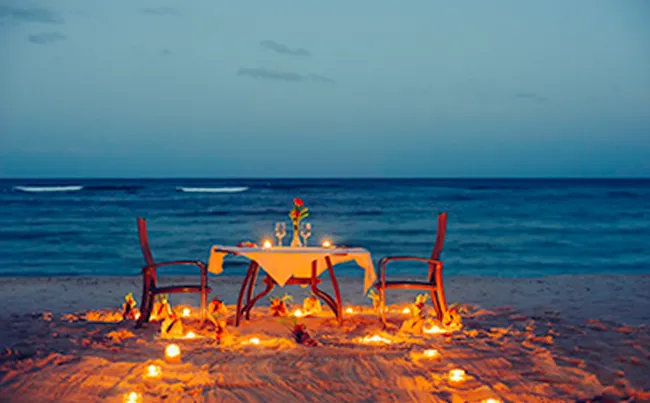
{"x": 144, "y": 301}
{"x": 440, "y": 291}
{"x": 435, "y": 302}
{"x": 382, "y": 305}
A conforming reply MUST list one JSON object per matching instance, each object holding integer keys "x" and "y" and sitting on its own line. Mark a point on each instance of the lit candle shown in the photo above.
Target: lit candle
{"x": 132, "y": 397}
{"x": 406, "y": 311}
{"x": 173, "y": 354}
{"x": 137, "y": 315}
{"x": 190, "y": 335}
{"x": 431, "y": 353}
{"x": 267, "y": 244}
{"x": 349, "y": 310}
{"x": 326, "y": 244}
{"x": 153, "y": 372}
{"x": 491, "y": 400}
{"x": 433, "y": 330}
{"x": 297, "y": 313}
{"x": 186, "y": 312}
{"x": 457, "y": 375}
{"x": 375, "y": 339}
{"x": 254, "y": 340}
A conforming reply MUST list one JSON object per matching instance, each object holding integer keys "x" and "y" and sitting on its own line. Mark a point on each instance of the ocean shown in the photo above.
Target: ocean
{"x": 496, "y": 227}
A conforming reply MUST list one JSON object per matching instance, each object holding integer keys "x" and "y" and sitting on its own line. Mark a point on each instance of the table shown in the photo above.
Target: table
{"x": 292, "y": 266}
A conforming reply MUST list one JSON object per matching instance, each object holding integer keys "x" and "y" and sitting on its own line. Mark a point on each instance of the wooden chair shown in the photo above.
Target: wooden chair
{"x": 150, "y": 286}
{"x": 433, "y": 284}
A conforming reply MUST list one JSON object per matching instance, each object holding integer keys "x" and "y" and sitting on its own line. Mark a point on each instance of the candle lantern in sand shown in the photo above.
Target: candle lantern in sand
{"x": 457, "y": 376}
{"x": 173, "y": 354}
{"x": 132, "y": 397}
{"x": 311, "y": 305}
{"x": 217, "y": 307}
{"x": 186, "y": 313}
{"x": 129, "y": 311}
{"x": 153, "y": 372}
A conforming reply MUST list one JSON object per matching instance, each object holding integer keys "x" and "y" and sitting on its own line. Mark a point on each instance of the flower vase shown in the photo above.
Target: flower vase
{"x": 295, "y": 242}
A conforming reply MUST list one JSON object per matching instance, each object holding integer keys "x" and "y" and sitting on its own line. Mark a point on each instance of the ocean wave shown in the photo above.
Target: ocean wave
{"x": 212, "y": 190}
{"x": 47, "y": 188}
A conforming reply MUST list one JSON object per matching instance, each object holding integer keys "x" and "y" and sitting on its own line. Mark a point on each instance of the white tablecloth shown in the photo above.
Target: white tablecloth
{"x": 281, "y": 263}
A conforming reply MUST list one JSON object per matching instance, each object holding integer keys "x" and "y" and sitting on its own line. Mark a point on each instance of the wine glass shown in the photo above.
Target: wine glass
{"x": 280, "y": 231}
{"x": 305, "y": 231}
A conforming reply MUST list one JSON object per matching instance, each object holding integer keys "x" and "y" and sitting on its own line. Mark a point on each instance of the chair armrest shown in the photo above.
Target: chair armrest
{"x": 197, "y": 263}
{"x": 383, "y": 262}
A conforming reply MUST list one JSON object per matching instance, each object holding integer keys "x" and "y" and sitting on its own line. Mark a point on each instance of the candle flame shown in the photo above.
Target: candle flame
{"x": 267, "y": 244}
{"x": 349, "y": 310}
{"x": 190, "y": 335}
{"x": 431, "y": 353}
{"x": 254, "y": 340}
{"x": 172, "y": 351}
{"x": 137, "y": 315}
{"x": 375, "y": 339}
{"x": 186, "y": 312}
{"x": 457, "y": 375}
{"x": 132, "y": 397}
{"x": 153, "y": 371}
{"x": 297, "y": 313}
{"x": 491, "y": 400}
{"x": 406, "y": 311}
{"x": 326, "y": 244}
{"x": 433, "y": 330}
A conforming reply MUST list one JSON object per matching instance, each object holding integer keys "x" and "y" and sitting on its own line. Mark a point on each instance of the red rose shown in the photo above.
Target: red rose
{"x": 295, "y": 213}
{"x": 298, "y": 202}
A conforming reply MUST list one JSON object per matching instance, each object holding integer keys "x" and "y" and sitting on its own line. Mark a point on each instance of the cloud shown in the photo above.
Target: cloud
{"x": 283, "y": 75}
{"x": 284, "y": 49}
{"x": 160, "y": 11}
{"x": 33, "y": 14}
{"x": 46, "y": 38}
{"x": 530, "y": 95}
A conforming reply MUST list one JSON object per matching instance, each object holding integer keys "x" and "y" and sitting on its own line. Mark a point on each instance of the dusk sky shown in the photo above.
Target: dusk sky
{"x": 324, "y": 88}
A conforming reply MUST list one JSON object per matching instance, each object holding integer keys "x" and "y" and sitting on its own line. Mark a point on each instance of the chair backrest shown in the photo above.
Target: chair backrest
{"x": 440, "y": 236}
{"x": 144, "y": 241}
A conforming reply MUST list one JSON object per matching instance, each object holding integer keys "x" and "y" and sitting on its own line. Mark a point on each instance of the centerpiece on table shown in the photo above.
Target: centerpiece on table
{"x": 298, "y": 213}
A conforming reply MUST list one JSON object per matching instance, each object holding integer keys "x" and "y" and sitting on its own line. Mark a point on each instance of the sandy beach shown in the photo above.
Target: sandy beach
{"x": 550, "y": 339}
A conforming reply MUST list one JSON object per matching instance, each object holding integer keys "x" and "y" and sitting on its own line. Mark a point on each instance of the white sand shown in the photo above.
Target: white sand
{"x": 552, "y": 339}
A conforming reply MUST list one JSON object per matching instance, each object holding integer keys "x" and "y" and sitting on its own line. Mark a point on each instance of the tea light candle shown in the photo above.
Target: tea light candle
{"x": 297, "y": 313}
{"x": 456, "y": 375}
{"x": 186, "y": 312}
{"x": 327, "y": 244}
{"x": 267, "y": 244}
{"x": 254, "y": 340}
{"x": 349, "y": 310}
{"x": 491, "y": 400}
{"x": 133, "y": 397}
{"x": 431, "y": 353}
{"x": 173, "y": 354}
{"x": 153, "y": 372}
{"x": 406, "y": 311}
{"x": 190, "y": 335}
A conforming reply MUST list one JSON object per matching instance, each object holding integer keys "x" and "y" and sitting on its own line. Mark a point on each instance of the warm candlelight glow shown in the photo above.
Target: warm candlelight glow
{"x": 186, "y": 312}
{"x": 431, "y": 353}
{"x": 153, "y": 371}
{"x": 491, "y": 400}
{"x": 190, "y": 335}
{"x": 132, "y": 397}
{"x": 406, "y": 311}
{"x": 375, "y": 339}
{"x": 172, "y": 353}
{"x": 327, "y": 244}
{"x": 267, "y": 244}
{"x": 457, "y": 375}
{"x": 433, "y": 330}
{"x": 349, "y": 310}
{"x": 254, "y": 340}
{"x": 137, "y": 315}
{"x": 297, "y": 313}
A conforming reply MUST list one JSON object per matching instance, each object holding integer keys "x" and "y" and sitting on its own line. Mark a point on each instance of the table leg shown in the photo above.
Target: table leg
{"x": 251, "y": 268}
{"x": 337, "y": 291}
{"x": 322, "y": 294}
{"x": 270, "y": 284}
{"x": 251, "y": 285}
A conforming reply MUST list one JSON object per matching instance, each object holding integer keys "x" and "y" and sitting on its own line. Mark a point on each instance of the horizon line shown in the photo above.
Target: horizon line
{"x": 329, "y": 178}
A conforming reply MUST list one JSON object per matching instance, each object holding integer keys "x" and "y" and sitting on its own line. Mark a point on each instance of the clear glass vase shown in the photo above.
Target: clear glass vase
{"x": 296, "y": 242}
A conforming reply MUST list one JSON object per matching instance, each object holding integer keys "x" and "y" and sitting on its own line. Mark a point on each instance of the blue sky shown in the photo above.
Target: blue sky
{"x": 324, "y": 89}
